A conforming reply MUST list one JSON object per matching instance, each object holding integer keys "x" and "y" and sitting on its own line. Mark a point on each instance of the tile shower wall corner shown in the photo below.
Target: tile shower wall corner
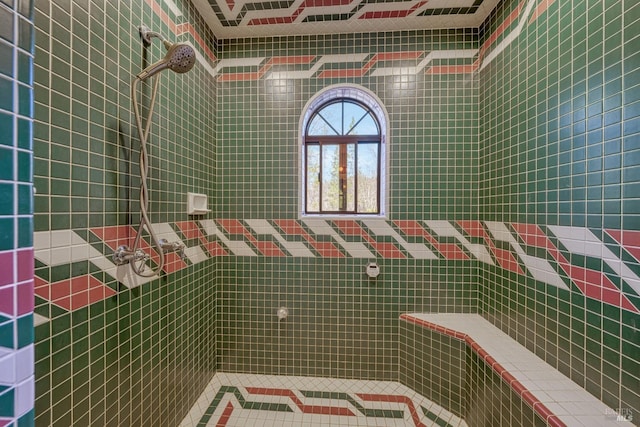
{"x": 559, "y": 130}
{"x": 17, "y": 380}
{"x": 16, "y": 215}
{"x": 109, "y": 352}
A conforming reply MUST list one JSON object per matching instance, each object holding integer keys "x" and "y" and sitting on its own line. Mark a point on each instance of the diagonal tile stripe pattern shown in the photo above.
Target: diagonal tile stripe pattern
{"x": 524, "y": 249}
{"x": 240, "y": 399}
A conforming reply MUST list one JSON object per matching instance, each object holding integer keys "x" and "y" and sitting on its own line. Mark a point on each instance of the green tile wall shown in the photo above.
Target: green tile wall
{"x": 560, "y": 146}
{"x": 341, "y": 323}
{"x": 143, "y": 356}
{"x": 433, "y": 126}
{"x": 546, "y": 134}
{"x": 16, "y": 214}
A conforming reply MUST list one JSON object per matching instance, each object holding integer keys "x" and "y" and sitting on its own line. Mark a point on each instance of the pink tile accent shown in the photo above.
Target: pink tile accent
{"x": 388, "y": 250}
{"x": 542, "y": 7}
{"x": 303, "y": 6}
{"x": 532, "y": 235}
{"x": 74, "y": 293}
{"x": 359, "y": 72}
{"x": 350, "y": 227}
{"x": 325, "y": 249}
{"x": 269, "y": 249}
{"x": 226, "y": 414}
{"x": 554, "y": 421}
{"x": 179, "y": 29}
{"x": 447, "y": 250}
{"x": 513, "y": 16}
{"x": 393, "y": 13}
{"x": 173, "y": 263}
{"x": 233, "y": 226}
{"x": 117, "y": 235}
{"x": 215, "y": 249}
{"x": 25, "y": 264}
{"x": 505, "y": 258}
{"x": 190, "y": 230}
{"x": 591, "y": 283}
{"x": 630, "y": 241}
{"x": 6, "y": 300}
{"x": 26, "y": 301}
{"x": 6, "y": 272}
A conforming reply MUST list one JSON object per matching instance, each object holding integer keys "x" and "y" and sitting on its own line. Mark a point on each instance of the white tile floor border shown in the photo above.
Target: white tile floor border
{"x": 290, "y": 390}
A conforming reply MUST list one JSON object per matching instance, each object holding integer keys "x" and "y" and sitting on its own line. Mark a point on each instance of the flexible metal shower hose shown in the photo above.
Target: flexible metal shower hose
{"x": 140, "y": 268}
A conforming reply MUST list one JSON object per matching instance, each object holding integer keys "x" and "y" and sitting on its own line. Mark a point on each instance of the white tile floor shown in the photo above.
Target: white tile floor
{"x": 263, "y": 400}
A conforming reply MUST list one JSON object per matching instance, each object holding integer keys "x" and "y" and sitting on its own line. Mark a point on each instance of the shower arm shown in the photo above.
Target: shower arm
{"x": 146, "y": 34}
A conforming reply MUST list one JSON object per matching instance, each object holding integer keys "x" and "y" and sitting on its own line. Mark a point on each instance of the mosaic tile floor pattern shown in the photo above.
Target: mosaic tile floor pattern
{"x": 266, "y": 400}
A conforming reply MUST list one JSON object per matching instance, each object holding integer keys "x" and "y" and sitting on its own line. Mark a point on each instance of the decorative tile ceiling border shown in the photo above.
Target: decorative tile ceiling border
{"x": 563, "y": 257}
{"x": 377, "y": 64}
{"x": 230, "y": 19}
{"x": 232, "y": 13}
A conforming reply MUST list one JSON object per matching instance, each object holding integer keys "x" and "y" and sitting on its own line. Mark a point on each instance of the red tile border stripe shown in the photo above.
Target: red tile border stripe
{"x": 72, "y": 294}
{"x": 307, "y": 409}
{"x": 234, "y": 226}
{"x": 447, "y": 250}
{"x": 542, "y": 7}
{"x": 350, "y": 227}
{"x": 628, "y": 239}
{"x": 325, "y": 249}
{"x": 505, "y": 258}
{"x": 179, "y": 29}
{"x": 382, "y": 14}
{"x": 593, "y": 284}
{"x": 226, "y": 414}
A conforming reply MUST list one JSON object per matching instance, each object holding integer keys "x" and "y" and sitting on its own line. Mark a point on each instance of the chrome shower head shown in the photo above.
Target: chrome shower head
{"x": 180, "y": 57}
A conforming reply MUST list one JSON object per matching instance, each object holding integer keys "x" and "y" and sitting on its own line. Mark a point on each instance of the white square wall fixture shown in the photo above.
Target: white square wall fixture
{"x": 197, "y": 204}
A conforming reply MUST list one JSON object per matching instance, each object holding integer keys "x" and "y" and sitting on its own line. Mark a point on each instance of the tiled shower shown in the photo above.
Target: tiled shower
{"x": 514, "y": 162}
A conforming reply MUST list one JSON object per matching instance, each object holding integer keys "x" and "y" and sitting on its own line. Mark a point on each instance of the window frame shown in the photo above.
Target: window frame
{"x": 372, "y": 105}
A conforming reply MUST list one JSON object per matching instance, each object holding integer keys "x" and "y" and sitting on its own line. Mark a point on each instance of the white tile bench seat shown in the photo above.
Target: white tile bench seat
{"x": 554, "y": 397}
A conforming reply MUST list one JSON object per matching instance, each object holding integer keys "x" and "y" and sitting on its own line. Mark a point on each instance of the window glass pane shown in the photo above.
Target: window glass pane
{"x": 330, "y": 188}
{"x": 319, "y": 127}
{"x": 332, "y": 113}
{"x": 352, "y": 114}
{"x": 367, "y": 126}
{"x": 367, "y": 177}
{"x": 350, "y": 190}
{"x": 313, "y": 180}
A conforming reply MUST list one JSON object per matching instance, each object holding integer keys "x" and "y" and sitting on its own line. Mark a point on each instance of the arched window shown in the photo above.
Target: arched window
{"x": 343, "y": 154}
